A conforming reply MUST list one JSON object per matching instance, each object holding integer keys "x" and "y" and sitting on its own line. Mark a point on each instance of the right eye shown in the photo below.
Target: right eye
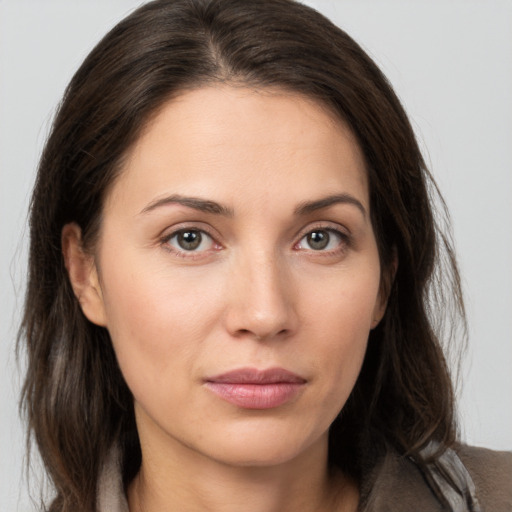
{"x": 322, "y": 240}
{"x": 190, "y": 240}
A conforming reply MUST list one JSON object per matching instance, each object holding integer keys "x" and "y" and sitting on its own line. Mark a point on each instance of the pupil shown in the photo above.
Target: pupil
{"x": 318, "y": 240}
{"x": 189, "y": 240}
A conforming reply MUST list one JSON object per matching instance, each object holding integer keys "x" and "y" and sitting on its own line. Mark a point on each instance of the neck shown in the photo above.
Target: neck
{"x": 190, "y": 482}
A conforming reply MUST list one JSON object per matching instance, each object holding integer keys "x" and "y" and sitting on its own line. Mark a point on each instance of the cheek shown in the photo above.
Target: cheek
{"x": 340, "y": 318}
{"x": 344, "y": 303}
{"x": 157, "y": 321}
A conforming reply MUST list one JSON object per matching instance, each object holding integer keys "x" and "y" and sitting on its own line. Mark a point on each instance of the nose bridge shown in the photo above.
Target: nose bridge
{"x": 261, "y": 295}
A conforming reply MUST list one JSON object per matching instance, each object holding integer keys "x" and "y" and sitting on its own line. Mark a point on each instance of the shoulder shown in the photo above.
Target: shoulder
{"x": 398, "y": 484}
{"x": 491, "y": 472}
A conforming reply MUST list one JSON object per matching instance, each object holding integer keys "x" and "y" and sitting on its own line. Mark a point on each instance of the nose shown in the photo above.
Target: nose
{"x": 261, "y": 298}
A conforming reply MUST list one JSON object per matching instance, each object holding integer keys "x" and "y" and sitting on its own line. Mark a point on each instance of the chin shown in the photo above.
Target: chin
{"x": 251, "y": 457}
{"x": 262, "y": 447}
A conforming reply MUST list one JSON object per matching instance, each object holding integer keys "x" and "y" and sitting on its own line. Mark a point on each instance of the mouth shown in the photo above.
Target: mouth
{"x": 250, "y": 388}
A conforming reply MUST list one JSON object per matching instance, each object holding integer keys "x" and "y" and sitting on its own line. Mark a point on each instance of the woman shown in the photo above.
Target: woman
{"x": 232, "y": 269}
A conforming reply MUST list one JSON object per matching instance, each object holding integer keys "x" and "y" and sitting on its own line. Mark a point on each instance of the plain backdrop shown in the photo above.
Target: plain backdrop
{"x": 451, "y": 64}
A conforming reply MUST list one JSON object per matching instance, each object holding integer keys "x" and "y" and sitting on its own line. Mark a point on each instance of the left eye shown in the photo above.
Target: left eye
{"x": 191, "y": 240}
{"x": 321, "y": 240}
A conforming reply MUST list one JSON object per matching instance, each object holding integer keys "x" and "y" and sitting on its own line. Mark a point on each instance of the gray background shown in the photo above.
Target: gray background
{"x": 451, "y": 64}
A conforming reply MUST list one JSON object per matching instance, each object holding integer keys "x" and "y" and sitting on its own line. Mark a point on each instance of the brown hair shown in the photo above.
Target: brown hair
{"x": 75, "y": 398}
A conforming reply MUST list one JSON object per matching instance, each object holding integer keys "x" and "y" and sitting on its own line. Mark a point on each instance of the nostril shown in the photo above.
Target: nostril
{"x": 259, "y": 337}
{"x": 248, "y": 333}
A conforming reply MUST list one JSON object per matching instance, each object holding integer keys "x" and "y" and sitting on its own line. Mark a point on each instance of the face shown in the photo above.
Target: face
{"x": 238, "y": 275}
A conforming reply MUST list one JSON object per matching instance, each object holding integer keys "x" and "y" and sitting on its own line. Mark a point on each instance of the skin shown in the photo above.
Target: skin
{"x": 255, "y": 293}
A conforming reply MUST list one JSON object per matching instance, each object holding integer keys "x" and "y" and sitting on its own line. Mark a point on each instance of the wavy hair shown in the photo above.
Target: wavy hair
{"x": 75, "y": 399}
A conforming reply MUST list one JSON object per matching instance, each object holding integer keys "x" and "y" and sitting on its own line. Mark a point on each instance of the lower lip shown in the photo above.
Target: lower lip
{"x": 256, "y": 396}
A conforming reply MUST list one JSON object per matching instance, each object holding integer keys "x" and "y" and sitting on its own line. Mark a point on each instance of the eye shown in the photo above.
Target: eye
{"x": 190, "y": 240}
{"x": 322, "y": 240}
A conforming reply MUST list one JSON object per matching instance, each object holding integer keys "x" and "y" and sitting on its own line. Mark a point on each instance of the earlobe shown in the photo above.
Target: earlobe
{"x": 385, "y": 289}
{"x": 380, "y": 308}
{"x": 378, "y": 312}
{"x": 83, "y": 274}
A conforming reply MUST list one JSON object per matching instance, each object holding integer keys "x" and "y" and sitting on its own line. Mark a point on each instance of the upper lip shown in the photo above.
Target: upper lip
{"x": 256, "y": 376}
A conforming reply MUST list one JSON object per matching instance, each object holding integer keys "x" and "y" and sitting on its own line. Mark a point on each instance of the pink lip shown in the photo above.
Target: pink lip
{"x": 251, "y": 388}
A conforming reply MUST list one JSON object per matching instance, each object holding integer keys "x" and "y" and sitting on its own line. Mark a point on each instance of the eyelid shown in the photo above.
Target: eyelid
{"x": 340, "y": 230}
{"x": 171, "y": 232}
{"x": 324, "y": 225}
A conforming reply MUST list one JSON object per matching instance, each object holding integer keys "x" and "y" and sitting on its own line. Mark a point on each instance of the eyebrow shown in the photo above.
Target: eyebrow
{"x": 202, "y": 205}
{"x": 208, "y": 206}
{"x": 312, "y": 206}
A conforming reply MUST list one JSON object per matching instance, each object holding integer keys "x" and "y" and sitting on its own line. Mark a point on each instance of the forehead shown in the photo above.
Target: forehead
{"x": 229, "y": 142}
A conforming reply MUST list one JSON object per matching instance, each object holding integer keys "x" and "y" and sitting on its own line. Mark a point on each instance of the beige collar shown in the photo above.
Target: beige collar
{"x": 111, "y": 496}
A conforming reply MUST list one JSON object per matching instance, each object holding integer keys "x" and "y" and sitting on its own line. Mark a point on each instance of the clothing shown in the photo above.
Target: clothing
{"x": 396, "y": 484}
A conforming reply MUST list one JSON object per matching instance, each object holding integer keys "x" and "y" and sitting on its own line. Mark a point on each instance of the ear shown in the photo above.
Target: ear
{"x": 83, "y": 274}
{"x": 384, "y": 291}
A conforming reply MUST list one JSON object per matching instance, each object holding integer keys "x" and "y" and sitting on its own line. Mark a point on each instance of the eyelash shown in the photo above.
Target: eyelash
{"x": 345, "y": 241}
{"x": 165, "y": 242}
